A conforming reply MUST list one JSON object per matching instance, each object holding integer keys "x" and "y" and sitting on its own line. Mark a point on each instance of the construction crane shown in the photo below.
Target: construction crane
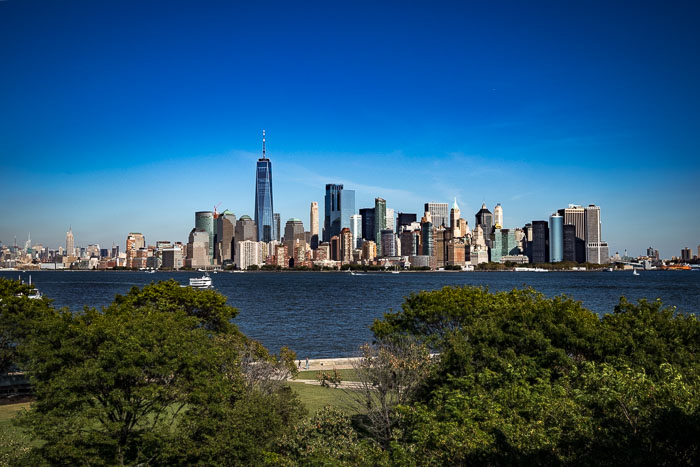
{"x": 216, "y": 213}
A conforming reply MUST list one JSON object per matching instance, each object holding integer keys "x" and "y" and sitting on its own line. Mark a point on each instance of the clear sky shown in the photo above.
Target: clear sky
{"x": 119, "y": 116}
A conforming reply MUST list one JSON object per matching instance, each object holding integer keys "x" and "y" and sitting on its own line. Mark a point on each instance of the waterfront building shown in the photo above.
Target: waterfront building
{"x": 134, "y": 242}
{"x": 388, "y": 242}
{"x": 356, "y": 229}
{"x": 263, "y": 197}
{"x": 427, "y": 235}
{"x": 438, "y": 213}
{"x": 248, "y": 253}
{"x": 540, "y": 242}
{"x": 172, "y": 258}
{"x": 484, "y": 218}
{"x": 686, "y": 254}
{"x": 335, "y": 248}
{"x": 346, "y": 245}
{"x": 404, "y": 219}
{"x": 379, "y": 222}
{"x": 369, "y": 250}
{"x": 313, "y": 225}
{"x": 596, "y": 248}
{"x": 498, "y": 216}
{"x": 70, "y": 242}
{"x": 556, "y": 238}
{"x": 294, "y": 233}
{"x": 323, "y": 252}
{"x": 245, "y": 230}
{"x": 340, "y": 205}
{"x": 225, "y": 229}
{"x": 197, "y": 249}
{"x": 496, "y": 245}
{"x": 367, "y": 215}
{"x": 276, "y": 224}
{"x": 204, "y": 220}
{"x": 576, "y": 215}
{"x": 569, "y": 242}
{"x": 478, "y": 255}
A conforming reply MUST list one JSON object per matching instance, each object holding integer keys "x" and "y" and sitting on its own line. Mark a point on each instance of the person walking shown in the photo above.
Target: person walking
{"x": 307, "y": 363}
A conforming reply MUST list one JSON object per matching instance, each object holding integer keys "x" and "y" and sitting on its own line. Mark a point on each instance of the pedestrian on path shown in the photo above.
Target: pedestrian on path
{"x": 307, "y": 363}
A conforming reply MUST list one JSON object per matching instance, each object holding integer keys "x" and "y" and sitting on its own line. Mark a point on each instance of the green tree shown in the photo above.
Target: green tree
{"x": 130, "y": 383}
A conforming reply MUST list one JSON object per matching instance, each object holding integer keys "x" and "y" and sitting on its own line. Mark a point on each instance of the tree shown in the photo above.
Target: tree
{"x": 522, "y": 379}
{"x": 128, "y": 383}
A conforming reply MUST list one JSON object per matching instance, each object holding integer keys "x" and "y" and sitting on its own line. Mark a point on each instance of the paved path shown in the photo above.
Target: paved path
{"x": 342, "y": 385}
{"x": 316, "y": 364}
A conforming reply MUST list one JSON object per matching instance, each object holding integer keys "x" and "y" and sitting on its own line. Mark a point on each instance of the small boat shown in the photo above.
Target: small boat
{"x": 635, "y": 272}
{"x": 203, "y": 282}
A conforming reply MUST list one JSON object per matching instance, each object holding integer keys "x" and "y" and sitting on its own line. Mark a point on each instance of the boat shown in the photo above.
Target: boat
{"x": 203, "y": 282}
{"x": 635, "y": 272}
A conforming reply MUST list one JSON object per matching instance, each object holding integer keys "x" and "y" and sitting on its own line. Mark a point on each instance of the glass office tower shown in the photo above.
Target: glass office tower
{"x": 263, "y": 198}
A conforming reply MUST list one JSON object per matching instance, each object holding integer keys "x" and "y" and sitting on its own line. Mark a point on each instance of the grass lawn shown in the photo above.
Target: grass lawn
{"x": 8, "y": 412}
{"x": 345, "y": 375}
{"x": 316, "y": 397}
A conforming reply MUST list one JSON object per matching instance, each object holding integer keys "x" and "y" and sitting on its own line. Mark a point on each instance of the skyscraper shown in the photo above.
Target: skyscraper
{"x": 379, "y": 222}
{"x": 276, "y": 225}
{"x": 596, "y": 249}
{"x": 263, "y": 197}
{"x": 340, "y": 205}
{"x": 404, "y": 219}
{"x": 313, "y": 224}
{"x": 556, "y": 238}
{"x": 484, "y": 218}
{"x": 367, "y": 223}
{"x": 70, "y": 242}
{"x": 576, "y": 215}
{"x": 540, "y": 242}
{"x": 498, "y": 216}
{"x": 225, "y": 227}
{"x": 390, "y": 219}
{"x": 356, "y": 229}
{"x": 294, "y": 233}
{"x": 438, "y": 213}
{"x": 204, "y": 221}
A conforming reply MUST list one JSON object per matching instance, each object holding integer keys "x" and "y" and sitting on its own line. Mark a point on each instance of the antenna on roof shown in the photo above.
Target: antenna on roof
{"x": 263, "y": 144}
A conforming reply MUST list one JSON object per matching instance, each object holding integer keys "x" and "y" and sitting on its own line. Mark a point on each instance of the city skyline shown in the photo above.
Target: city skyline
{"x": 114, "y": 124}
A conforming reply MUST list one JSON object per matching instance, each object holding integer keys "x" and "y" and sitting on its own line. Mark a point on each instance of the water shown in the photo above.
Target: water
{"x": 328, "y": 314}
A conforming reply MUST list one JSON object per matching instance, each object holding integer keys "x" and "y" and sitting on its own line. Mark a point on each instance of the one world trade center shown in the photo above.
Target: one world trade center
{"x": 263, "y": 197}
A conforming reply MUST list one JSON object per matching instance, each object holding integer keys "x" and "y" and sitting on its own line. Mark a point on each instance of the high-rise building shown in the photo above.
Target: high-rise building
{"x": 340, "y": 205}
{"x": 556, "y": 238}
{"x": 438, "y": 213}
{"x": 346, "y": 245}
{"x": 356, "y": 229}
{"x": 390, "y": 219}
{"x": 313, "y": 225}
{"x": 540, "y": 242}
{"x": 427, "y": 235}
{"x": 576, "y": 215}
{"x": 276, "y": 224}
{"x": 204, "y": 220}
{"x": 569, "y": 242}
{"x": 248, "y": 253}
{"x": 293, "y": 234}
{"x": 367, "y": 223}
{"x": 70, "y": 242}
{"x": 686, "y": 254}
{"x": 245, "y": 230}
{"x": 596, "y": 249}
{"x": 410, "y": 243}
{"x": 484, "y": 218}
{"x": 498, "y": 216}
{"x": 379, "y": 222}
{"x": 455, "y": 214}
{"x": 197, "y": 249}
{"x": 225, "y": 228}
{"x": 263, "y": 197}
{"x": 369, "y": 250}
{"x": 404, "y": 219}
{"x": 388, "y": 242}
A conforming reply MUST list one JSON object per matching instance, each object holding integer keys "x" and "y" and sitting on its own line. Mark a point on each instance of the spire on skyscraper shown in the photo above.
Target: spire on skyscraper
{"x": 263, "y": 155}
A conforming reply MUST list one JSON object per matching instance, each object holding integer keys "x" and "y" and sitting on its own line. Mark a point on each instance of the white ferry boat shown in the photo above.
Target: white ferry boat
{"x": 203, "y": 282}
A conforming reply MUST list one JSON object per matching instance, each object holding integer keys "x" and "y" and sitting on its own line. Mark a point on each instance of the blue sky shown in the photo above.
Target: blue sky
{"x": 119, "y": 116}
